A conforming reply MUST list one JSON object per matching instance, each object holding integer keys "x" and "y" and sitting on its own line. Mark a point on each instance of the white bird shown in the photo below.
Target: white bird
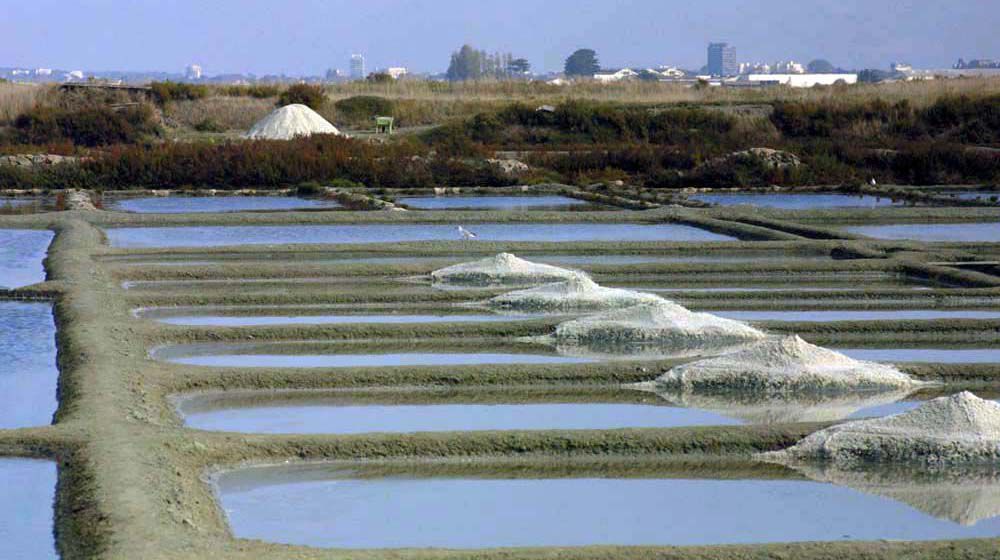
{"x": 873, "y": 182}
{"x": 466, "y": 234}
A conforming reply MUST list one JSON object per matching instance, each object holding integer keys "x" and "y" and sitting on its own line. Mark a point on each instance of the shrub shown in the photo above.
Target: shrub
{"x": 164, "y": 92}
{"x": 309, "y": 95}
{"x": 257, "y": 91}
{"x": 361, "y": 108}
{"x": 99, "y": 126}
{"x": 209, "y": 125}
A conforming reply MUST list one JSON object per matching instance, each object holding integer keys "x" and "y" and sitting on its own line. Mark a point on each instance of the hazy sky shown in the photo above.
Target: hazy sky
{"x": 309, "y": 36}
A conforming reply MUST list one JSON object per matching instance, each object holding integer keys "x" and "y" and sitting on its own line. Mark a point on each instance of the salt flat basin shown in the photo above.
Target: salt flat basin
{"x": 277, "y": 414}
{"x": 29, "y": 374}
{"x": 326, "y": 506}
{"x": 27, "y": 494}
{"x": 22, "y": 252}
{"x": 859, "y": 315}
{"x": 799, "y": 201}
{"x": 262, "y": 319}
{"x": 933, "y": 355}
{"x": 194, "y": 204}
{"x": 973, "y": 232}
{"x": 492, "y": 202}
{"x": 285, "y": 355}
{"x": 444, "y": 260}
{"x": 218, "y": 236}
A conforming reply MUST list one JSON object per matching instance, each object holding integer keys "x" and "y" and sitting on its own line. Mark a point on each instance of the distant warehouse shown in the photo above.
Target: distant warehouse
{"x": 800, "y": 80}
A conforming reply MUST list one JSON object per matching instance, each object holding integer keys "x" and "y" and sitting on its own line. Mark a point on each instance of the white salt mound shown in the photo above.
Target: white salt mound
{"x": 289, "y": 122}
{"x": 503, "y": 268}
{"x": 781, "y": 408}
{"x": 659, "y": 321}
{"x": 960, "y": 429}
{"x": 578, "y": 292}
{"x": 785, "y": 364}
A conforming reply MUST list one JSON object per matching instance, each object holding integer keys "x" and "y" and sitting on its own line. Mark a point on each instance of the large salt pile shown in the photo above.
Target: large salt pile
{"x": 659, "y": 321}
{"x": 781, "y": 408}
{"x": 503, "y": 268}
{"x": 964, "y": 494}
{"x": 960, "y": 429}
{"x": 577, "y": 293}
{"x": 785, "y": 364}
{"x": 289, "y": 122}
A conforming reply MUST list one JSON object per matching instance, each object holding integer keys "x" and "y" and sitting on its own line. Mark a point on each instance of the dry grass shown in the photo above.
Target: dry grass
{"x": 18, "y": 98}
{"x": 231, "y": 113}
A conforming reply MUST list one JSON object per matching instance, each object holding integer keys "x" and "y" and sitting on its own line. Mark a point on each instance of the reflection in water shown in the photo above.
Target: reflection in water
{"x": 964, "y": 495}
{"x": 779, "y": 408}
{"x": 596, "y": 350}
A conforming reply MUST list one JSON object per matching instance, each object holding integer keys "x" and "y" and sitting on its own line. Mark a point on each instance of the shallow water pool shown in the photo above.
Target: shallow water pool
{"x": 935, "y": 355}
{"x": 975, "y": 232}
{"x": 801, "y": 201}
{"x": 336, "y": 415}
{"x": 27, "y": 495}
{"x": 191, "y": 204}
{"x": 205, "y": 320}
{"x": 325, "y": 507}
{"x": 29, "y": 374}
{"x": 280, "y": 356}
{"x": 550, "y": 202}
{"x": 22, "y": 252}
{"x": 858, "y": 315}
{"x": 216, "y": 236}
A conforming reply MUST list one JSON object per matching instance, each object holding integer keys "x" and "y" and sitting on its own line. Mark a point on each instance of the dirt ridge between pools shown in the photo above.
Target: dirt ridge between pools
{"x": 132, "y": 479}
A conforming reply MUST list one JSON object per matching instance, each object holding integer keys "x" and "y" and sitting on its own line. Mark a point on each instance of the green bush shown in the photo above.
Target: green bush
{"x": 362, "y": 108}
{"x": 257, "y": 91}
{"x": 209, "y": 125}
{"x": 98, "y": 126}
{"x": 164, "y": 92}
{"x": 309, "y": 95}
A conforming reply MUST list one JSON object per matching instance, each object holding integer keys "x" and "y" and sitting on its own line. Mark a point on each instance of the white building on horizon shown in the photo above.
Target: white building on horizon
{"x": 193, "y": 72}
{"x": 357, "y": 67}
{"x": 396, "y": 72}
{"x": 802, "y": 80}
{"x": 608, "y": 76}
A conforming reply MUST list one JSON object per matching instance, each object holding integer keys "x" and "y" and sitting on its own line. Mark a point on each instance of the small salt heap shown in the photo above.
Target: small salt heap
{"x": 289, "y": 122}
{"x": 503, "y": 268}
{"x": 785, "y": 364}
{"x": 956, "y": 430}
{"x": 576, "y": 293}
{"x": 659, "y": 321}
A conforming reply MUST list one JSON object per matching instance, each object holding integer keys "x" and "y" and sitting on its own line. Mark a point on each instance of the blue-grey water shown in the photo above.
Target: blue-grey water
{"x": 215, "y": 236}
{"x": 186, "y": 204}
{"x": 972, "y": 195}
{"x": 973, "y": 232}
{"x": 794, "y": 201}
{"x": 310, "y": 507}
{"x": 223, "y": 359}
{"x": 321, "y": 416}
{"x": 207, "y": 320}
{"x": 29, "y": 375}
{"x": 490, "y": 202}
{"x": 934, "y": 355}
{"x": 21, "y": 254}
{"x": 858, "y": 315}
{"x": 27, "y": 496}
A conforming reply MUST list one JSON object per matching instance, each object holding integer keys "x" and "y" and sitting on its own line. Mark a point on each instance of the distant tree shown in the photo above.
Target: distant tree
{"x": 583, "y": 62}
{"x": 873, "y": 75}
{"x": 820, "y": 66}
{"x": 312, "y": 96}
{"x": 379, "y": 78}
{"x": 649, "y": 76}
{"x": 466, "y": 64}
{"x": 519, "y": 66}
